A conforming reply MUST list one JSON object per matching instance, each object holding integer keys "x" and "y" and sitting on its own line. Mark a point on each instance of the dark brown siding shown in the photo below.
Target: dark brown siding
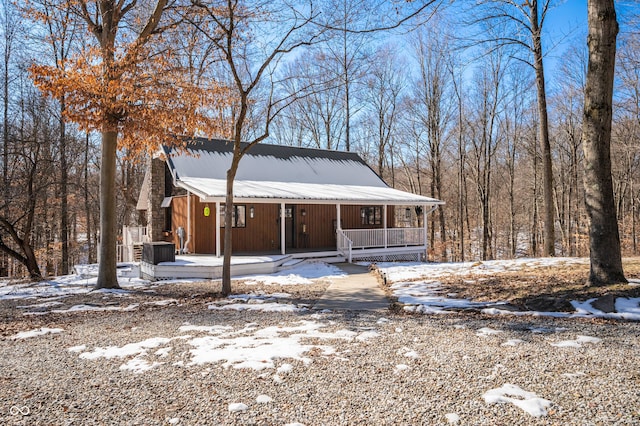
{"x": 261, "y": 233}
{"x": 315, "y": 229}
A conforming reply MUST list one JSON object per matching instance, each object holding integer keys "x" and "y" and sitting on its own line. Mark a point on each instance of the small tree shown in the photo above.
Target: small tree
{"x": 604, "y": 237}
{"x": 233, "y": 27}
{"x": 124, "y": 84}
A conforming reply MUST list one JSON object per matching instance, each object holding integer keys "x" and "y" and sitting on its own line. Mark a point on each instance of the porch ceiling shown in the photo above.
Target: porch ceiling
{"x": 212, "y": 190}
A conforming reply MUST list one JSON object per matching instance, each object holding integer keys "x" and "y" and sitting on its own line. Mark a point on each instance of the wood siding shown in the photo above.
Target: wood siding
{"x": 314, "y": 229}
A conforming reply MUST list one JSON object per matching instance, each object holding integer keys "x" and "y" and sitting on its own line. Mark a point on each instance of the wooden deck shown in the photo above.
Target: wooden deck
{"x": 210, "y": 267}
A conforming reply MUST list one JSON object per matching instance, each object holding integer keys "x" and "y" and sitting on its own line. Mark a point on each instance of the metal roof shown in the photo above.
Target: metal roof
{"x": 276, "y": 173}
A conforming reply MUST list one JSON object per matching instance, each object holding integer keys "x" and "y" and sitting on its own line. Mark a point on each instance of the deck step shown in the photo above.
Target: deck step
{"x": 331, "y": 259}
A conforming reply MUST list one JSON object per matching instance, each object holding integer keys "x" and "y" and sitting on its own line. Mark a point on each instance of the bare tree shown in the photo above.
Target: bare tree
{"x": 9, "y": 26}
{"x": 522, "y": 24}
{"x": 250, "y": 61}
{"x": 433, "y": 51}
{"x": 23, "y": 220}
{"x": 59, "y": 32}
{"x": 386, "y": 84}
{"x": 484, "y": 138}
{"x": 605, "y": 255}
{"x": 568, "y": 106}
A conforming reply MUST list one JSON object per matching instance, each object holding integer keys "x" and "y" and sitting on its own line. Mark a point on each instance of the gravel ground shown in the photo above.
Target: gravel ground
{"x": 387, "y": 369}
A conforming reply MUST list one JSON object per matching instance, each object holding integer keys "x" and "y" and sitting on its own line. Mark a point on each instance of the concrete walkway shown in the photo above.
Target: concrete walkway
{"x": 359, "y": 291}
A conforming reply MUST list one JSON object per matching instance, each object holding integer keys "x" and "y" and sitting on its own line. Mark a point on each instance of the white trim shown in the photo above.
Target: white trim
{"x": 244, "y": 200}
{"x": 186, "y": 244}
{"x": 166, "y": 202}
{"x": 283, "y": 235}
{"x": 217, "y": 228}
{"x": 370, "y": 196}
{"x": 384, "y": 226}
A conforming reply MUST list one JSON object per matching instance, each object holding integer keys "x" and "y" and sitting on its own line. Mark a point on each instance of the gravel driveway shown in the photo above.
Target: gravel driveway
{"x": 170, "y": 359}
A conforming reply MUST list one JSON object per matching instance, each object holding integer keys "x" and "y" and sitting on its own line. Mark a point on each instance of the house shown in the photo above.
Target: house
{"x": 287, "y": 200}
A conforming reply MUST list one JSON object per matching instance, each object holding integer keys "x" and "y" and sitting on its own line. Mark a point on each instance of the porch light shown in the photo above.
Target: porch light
{"x": 207, "y": 211}
{"x": 303, "y": 212}
{"x": 251, "y": 212}
{"x": 407, "y": 213}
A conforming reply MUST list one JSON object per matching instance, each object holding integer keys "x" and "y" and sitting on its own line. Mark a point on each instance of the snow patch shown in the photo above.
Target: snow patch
{"x": 452, "y": 418}
{"x": 262, "y": 307}
{"x": 487, "y": 331}
{"x": 527, "y": 401}
{"x": 263, "y": 399}
{"x": 513, "y": 342}
{"x": 577, "y": 343}
{"x": 238, "y": 407}
{"x": 37, "y": 332}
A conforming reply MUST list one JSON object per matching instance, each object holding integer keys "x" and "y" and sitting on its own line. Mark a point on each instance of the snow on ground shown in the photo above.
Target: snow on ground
{"x": 412, "y": 271}
{"x": 82, "y": 282}
{"x": 287, "y": 349}
{"x": 262, "y": 307}
{"x": 50, "y": 291}
{"x": 577, "y": 343}
{"x": 301, "y": 274}
{"x": 407, "y": 281}
{"x": 37, "y": 332}
{"x": 250, "y": 347}
{"x": 259, "y": 301}
{"x": 422, "y": 295}
{"x": 527, "y": 401}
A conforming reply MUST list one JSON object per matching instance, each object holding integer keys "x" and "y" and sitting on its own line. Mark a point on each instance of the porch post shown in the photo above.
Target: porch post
{"x": 338, "y": 219}
{"x": 425, "y": 225}
{"x": 217, "y": 228}
{"x": 186, "y": 244}
{"x": 283, "y": 237}
{"x": 384, "y": 222}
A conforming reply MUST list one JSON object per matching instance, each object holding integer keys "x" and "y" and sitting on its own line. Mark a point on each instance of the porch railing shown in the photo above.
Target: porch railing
{"x": 344, "y": 244}
{"x": 354, "y": 239}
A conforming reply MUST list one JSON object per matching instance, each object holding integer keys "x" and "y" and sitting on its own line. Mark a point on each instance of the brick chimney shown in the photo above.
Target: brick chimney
{"x": 157, "y": 191}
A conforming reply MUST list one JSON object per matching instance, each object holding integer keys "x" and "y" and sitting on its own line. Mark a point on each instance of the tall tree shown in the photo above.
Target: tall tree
{"x": 604, "y": 238}
{"x": 524, "y": 21}
{"x": 121, "y": 86}
{"x": 433, "y": 91}
{"x": 10, "y": 28}
{"x": 59, "y": 32}
{"x": 386, "y": 84}
{"x": 236, "y": 29}
{"x": 484, "y": 140}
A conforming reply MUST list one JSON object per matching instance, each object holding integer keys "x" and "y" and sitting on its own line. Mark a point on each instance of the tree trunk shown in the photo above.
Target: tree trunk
{"x": 228, "y": 208}
{"x": 87, "y": 206}
{"x": 64, "y": 211}
{"x": 547, "y": 174}
{"x": 107, "y": 269}
{"x": 604, "y": 238}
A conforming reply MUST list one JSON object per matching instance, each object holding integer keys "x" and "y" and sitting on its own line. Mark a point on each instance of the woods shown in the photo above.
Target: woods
{"x": 497, "y": 126}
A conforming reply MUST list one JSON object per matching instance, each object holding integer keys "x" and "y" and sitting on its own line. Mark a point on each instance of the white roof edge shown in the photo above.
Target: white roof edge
{"x": 332, "y": 202}
{"x": 204, "y": 197}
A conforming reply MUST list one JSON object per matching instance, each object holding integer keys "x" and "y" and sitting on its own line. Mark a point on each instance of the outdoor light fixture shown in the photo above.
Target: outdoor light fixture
{"x": 407, "y": 213}
{"x": 303, "y": 212}
{"x": 251, "y": 212}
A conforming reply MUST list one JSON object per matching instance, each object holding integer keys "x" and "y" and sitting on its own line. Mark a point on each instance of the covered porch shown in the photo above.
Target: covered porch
{"x": 302, "y": 228}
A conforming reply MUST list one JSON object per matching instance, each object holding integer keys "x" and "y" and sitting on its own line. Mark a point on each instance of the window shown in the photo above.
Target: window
{"x": 371, "y": 215}
{"x": 238, "y": 216}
